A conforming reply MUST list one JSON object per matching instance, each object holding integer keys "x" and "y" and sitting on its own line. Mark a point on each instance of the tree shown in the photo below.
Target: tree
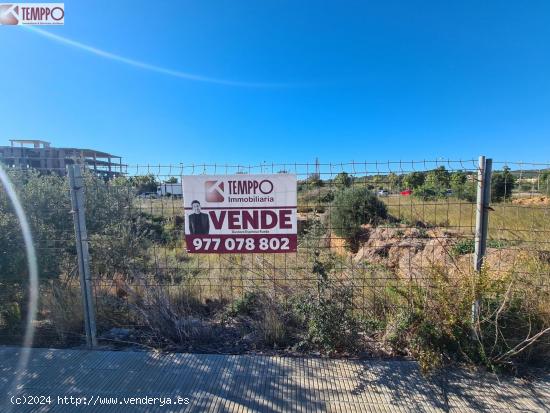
{"x": 144, "y": 183}
{"x": 438, "y": 181}
{"x": 172, "y": 180}
{"x": 414, "y": 180}
{"x": 438, "y": 178}
{"x": 352, "y": 208}
{"x": 461, "y": 188}
{"x": 544, "y": 181}
{"x": 393, "y": 180}
{"x": 428, "y": 192}
{"x": 314, "y": 181}
{"x": 342, "y": 180}
{"x": 502, "y": 184}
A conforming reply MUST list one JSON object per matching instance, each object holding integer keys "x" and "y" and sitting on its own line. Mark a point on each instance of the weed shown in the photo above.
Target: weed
{"x": 244, "y": 305}
{"x": 328, "y": 314}
{"x": 463, "y": 247}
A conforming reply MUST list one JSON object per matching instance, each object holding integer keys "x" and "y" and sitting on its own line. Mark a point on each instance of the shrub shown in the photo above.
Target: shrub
{"x": 327, "y": 198}
{"x": 272, "y": 320}
{"x": 428, "y": 192}
{"x": 246, "y": 304}
{"x": 10, "y": 318}
{"x": 328, "y": 313}
{"x": 273, "y": 327}
{"x": 63, "y": 301}
{"x": 329, "y": 320}
{"x": 47, "y": 205}
{"x": 119, "y": 234}
{"x": 436, "y": 326}
{"x": 314, "y": 181}
{"x": 169, "y": 315}
{"x": 463, "y": 247}
{"x": 342, "y": 180}
{"x": 275, "y": 322}
{"x": 352, "y": 208}
{"x": 316, "y": 199}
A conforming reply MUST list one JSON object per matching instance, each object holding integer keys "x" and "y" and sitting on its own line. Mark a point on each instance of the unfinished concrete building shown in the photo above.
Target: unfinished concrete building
{"x": 37, "y": 154}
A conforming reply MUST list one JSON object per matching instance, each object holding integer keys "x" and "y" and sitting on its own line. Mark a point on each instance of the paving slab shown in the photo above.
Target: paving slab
{"x": 119, "y": 381}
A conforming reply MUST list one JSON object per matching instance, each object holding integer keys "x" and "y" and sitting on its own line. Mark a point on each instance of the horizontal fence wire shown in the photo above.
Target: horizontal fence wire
{"x": 150, "y": 292}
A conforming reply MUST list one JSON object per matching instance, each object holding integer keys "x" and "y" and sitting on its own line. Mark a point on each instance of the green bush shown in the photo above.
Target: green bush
{"x": 246, "y": 304}
{"x": 428, "y": 192}
{"x": 352, "y": 208}
{"x": 342, "y": 180}
{"x": 329, "y": 319}
{"x": 463, "y": 247}
{"x": 328, "y": 313}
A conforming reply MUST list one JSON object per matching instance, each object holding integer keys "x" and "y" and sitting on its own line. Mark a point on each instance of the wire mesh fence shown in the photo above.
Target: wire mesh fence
{"x": 377, "y": 242}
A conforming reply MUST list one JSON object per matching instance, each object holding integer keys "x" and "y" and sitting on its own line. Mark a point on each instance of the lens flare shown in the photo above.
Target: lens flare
{"x": 33, "y": 285}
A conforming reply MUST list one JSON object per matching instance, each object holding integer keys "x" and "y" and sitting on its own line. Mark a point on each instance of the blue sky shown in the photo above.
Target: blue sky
{"x": 342, "y": 81}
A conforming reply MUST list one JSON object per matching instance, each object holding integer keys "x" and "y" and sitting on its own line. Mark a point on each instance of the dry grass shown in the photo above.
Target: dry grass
{"x": 507, "y": 221}
{"x": 61, "y": 302}
{"x": 166, "y": 207}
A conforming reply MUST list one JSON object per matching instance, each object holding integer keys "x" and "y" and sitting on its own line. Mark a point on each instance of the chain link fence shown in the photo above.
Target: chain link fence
{"x": 381, "y": 245}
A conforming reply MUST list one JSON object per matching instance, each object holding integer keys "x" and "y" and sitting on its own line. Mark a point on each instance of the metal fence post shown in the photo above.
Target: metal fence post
{"x": 482, "y": 221}
{"x": 76, "y": 184}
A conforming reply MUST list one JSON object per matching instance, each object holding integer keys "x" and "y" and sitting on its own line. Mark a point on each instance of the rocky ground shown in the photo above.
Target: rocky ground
{"x": 409, "y": 251}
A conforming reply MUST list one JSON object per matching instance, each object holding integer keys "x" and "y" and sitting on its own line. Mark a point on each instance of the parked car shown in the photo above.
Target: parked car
{"x": 383, "y": 192}
{"x": 406, "y": 192}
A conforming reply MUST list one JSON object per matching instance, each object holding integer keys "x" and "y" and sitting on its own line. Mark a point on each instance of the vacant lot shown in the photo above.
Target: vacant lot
{"x": 406, "y": 290}
{"x": 507, "y": 221}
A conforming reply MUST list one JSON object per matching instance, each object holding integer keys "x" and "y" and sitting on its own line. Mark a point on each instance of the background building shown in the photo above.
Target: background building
{"x": 41, "y": 155}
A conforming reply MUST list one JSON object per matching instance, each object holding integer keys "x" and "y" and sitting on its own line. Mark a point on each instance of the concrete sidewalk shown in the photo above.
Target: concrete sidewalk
{"x": 222, "y": 383}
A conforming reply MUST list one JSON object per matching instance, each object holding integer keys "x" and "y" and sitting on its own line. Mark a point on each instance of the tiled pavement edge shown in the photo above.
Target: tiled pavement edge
{"x": 225, "y": 383}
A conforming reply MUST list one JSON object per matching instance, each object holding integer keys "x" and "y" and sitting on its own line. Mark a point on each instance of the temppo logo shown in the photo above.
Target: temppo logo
{"x": 32, "y": 14}
{"x": 8, "y": 14}
{"x": 214, "y": 191}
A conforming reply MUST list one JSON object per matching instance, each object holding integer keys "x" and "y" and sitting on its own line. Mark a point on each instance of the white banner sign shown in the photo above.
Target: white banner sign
{"x": 240, "y": 213}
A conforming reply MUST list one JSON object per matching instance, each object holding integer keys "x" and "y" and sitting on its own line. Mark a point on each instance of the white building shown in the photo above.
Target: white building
{"x": 170, "y": 189}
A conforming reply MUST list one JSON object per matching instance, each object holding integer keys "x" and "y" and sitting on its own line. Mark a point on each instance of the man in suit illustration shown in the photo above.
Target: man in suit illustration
{"x": 199, "y": 222}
